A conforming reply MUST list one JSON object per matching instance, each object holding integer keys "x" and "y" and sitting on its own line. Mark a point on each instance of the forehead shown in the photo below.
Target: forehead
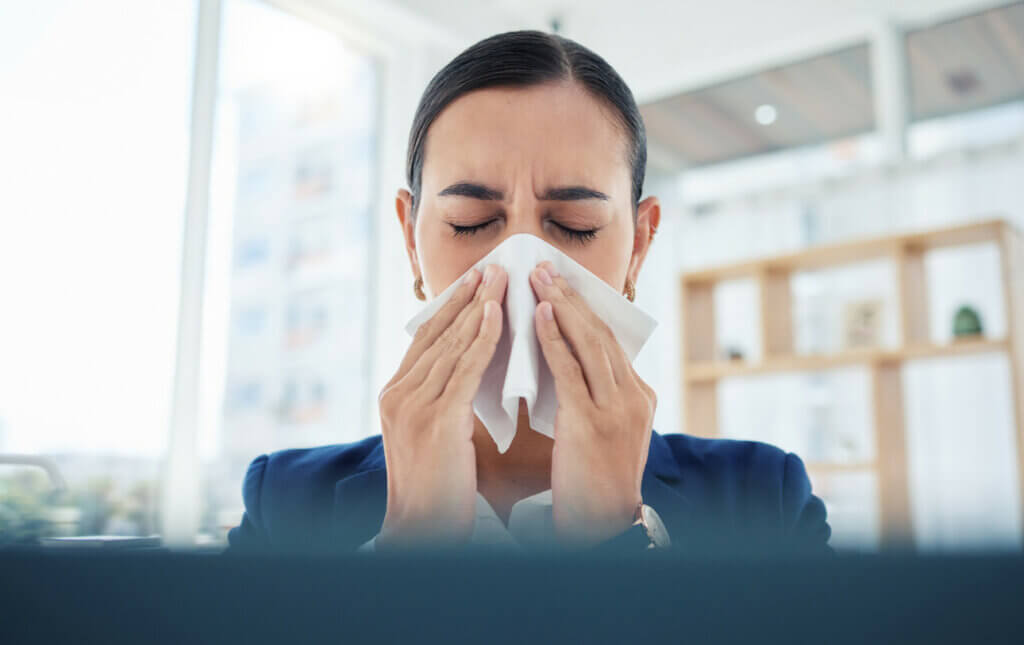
{"x": 556, "y": 131}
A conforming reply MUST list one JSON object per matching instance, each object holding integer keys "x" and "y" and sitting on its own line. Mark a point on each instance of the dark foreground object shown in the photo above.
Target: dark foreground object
{"x": 148, "y": 597}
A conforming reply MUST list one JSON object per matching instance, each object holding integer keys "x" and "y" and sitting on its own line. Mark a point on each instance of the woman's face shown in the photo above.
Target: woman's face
{"x": 547, "y": 160}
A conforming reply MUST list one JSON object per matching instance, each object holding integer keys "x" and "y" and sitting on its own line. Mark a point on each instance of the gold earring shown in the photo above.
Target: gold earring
{"x": 630, "y": 290}
{"x": 417, "y": 288}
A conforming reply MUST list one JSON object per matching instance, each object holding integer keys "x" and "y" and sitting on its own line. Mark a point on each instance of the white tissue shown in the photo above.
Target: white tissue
{"x": 518, "y": 368}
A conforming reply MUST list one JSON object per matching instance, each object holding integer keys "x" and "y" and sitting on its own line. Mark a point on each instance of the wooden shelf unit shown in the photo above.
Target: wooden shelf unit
{"x": 703, "y": 369}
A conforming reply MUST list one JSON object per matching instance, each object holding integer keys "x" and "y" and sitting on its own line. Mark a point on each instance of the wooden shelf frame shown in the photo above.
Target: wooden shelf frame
{"x": 702, "y": 369}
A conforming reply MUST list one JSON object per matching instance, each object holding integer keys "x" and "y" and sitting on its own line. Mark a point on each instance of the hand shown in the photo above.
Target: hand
{"x": 604, "y": 419}
{"x": 426, "y": 413}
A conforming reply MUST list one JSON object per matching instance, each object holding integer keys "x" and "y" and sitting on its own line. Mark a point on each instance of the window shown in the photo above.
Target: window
{"x": 286, "y": 322}
{"x": 89, "y": 341}
{"x": 93, "y": 167}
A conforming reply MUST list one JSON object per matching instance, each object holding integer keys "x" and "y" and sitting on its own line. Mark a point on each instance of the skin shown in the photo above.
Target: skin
{"x": 502, "y": 158}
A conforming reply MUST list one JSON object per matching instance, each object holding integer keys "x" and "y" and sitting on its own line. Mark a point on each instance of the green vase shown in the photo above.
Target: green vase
{"x": 966, "y": 322}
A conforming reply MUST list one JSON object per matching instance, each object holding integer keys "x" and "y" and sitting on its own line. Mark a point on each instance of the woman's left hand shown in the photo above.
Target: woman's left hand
{"x": 604, "y": 419}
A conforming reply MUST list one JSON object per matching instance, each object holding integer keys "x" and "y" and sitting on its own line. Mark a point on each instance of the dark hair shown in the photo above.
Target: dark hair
{"x": 520, "y": 59}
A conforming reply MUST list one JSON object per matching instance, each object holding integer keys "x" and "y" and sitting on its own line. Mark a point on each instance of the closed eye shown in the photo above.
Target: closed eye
{"x": 576, "y": 235}
{"x": 460, "y": 230}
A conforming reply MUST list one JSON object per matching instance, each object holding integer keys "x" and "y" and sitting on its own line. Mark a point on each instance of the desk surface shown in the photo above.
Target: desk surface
{"x": 186, "y": 598}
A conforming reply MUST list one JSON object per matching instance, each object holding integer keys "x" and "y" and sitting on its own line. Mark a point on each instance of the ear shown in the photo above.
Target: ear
{"x": 648, "y": 218}
{"x": 403, "y": 207}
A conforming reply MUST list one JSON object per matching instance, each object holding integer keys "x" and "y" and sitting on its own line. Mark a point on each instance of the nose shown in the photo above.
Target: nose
{"x": 523, "y": 214}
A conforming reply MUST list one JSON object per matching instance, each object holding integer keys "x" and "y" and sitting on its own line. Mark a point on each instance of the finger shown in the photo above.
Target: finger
{"x": 436, "y": 364}
{"x": 429, "y": 331}
{"x": 570, "y": 384}
{"x": 620, "y": 363}
{"x": 584, "y": 339}
{"x": 416, "y": 373}
{"x": 445, "y": 354}
{"x": 469, "y": 369}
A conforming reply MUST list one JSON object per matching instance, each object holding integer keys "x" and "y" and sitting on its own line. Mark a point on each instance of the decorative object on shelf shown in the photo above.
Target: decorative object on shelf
{"x": 967, "y": 323}
{"x": 733, "y": 353}
{"x": 862, "y": 324}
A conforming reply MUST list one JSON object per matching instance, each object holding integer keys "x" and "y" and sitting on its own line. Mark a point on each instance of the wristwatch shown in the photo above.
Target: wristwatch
{"x": 654, "y": 529}
{"x": 646, "y": 532}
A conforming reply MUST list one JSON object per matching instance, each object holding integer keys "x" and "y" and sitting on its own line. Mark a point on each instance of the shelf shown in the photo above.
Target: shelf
{"x": 829, "y": 467}
{"x": 850, "y": 252}
{"x": 906, "y": 252}
{"x": 706, "y": 371}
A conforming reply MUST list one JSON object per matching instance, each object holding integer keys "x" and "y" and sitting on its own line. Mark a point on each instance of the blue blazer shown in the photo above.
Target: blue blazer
{"x": 710, "y": 493}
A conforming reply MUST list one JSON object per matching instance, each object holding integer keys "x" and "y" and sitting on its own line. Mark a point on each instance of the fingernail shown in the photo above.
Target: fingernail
{"x": 489, "y": 307}
{"x": 470, "y": 277}
{"x": 489, "y": 273}
{"x": 545, "y": 310}
{"x": 551, "y": 270}
{"x": 545, "y": 277}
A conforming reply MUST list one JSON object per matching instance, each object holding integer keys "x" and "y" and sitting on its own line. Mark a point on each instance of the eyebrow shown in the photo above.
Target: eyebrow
{"x": 558, "y": 194}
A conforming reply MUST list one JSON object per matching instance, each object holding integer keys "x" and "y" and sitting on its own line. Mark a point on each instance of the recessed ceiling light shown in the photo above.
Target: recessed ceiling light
{"x": 766, "y": 114}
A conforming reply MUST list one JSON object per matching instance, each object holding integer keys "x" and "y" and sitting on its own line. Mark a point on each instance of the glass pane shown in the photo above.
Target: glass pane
{"x": 93, "y": 174}
{"x": 285, "y": 349}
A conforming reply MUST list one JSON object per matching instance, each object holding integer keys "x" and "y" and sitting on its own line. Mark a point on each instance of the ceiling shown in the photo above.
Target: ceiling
{"x": 967, "y": 63}
{"x": 663, "y": 47}
{"x": 822, "y": 98}
{"x": 953, "y": 66}
{"x": 700, "y": 70}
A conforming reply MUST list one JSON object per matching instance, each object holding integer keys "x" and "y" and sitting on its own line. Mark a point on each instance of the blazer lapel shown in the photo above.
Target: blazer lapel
{"x": 360, "y": 501}
{"x": 660, "y": 489}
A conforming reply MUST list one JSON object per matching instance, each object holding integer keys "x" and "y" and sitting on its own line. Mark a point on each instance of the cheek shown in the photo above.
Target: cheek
{"x": 608, "y": 256}
{"x": 442, "y": 257}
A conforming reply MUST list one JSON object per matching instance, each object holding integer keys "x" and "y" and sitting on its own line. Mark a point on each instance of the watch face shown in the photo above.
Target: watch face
{"x": 656, "y": 530}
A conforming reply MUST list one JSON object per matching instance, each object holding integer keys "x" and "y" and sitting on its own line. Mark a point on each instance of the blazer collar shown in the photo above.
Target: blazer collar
{"x": 360, "y": 499}
{"x": 661, "y": 489}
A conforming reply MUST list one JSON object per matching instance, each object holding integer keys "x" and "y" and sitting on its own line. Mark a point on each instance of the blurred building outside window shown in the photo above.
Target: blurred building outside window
{"x": 284, "y": 350}
{"x": 286, "y": 326}
{"x": 93, "y": 167}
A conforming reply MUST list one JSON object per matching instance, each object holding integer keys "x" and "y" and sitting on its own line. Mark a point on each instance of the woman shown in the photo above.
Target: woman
{"x": 526, "y": 132}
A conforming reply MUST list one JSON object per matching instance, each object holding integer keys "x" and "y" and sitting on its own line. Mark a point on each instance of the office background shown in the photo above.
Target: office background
{"x": 200, "y": 262}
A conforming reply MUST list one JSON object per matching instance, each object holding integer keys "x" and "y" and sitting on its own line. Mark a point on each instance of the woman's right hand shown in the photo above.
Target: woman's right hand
{"x": 426, "y": 413}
